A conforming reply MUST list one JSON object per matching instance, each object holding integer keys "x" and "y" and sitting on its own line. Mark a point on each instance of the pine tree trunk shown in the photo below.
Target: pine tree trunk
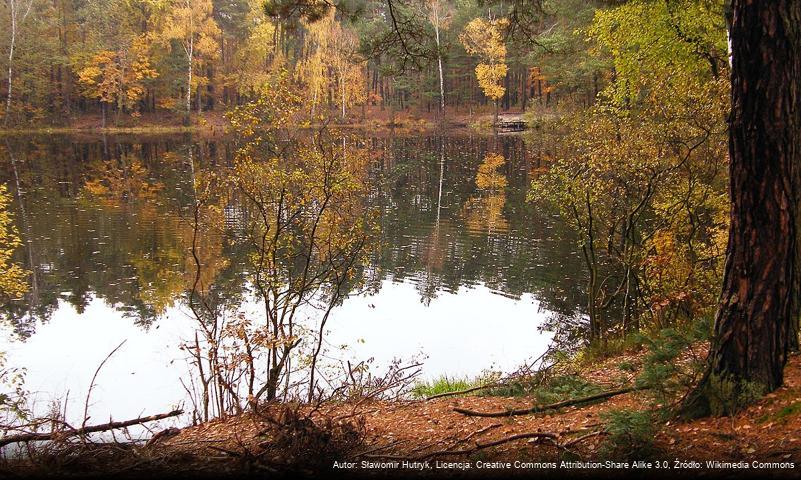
{"x": 759, "y": 304}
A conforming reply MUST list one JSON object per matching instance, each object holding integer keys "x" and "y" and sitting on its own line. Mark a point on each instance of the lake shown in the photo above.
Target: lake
{"x": 462, "y": 280}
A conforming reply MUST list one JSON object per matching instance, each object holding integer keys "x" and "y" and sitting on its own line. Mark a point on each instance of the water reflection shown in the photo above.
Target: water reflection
{"x": 462, "y": 258}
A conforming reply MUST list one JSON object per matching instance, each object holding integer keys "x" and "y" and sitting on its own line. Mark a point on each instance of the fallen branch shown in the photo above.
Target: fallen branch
{"x": 511, "y": 438}
{"x": 580, "y": 439}
{"x": 60, "y": 434}
{"x": 478, "y": 446}
{"x": 542, "y": 408}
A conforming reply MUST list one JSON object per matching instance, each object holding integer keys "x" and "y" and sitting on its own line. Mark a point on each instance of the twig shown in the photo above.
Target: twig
{"x": 33, "y": 437}
{"x": 481, "y": 431}
{"x": 478, "y": 446}
{"x": 580, "y": 439}
{"x": 92, "y": 383}
{"x": 542, "y": 408}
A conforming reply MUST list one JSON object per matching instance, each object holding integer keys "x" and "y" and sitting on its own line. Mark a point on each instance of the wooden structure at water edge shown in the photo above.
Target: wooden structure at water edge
{"x": 511, "y": 123}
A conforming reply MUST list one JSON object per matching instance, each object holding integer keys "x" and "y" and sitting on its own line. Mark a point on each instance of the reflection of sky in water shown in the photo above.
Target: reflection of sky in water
{"x": 464, "y": 277}
{"x": 458, "y": 334}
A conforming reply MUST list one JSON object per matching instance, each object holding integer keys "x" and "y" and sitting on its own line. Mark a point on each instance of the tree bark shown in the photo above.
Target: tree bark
{"x": 190, "y": 56}
{"x": 12, "y": 7}
{"x": 17, "y": 17}
{"x": 759, "y": 305}
{"x": 439, "y": 62}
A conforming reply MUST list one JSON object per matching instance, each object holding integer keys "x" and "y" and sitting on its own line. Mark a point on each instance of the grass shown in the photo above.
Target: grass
{"x": 444, "y": 384}
{"x": 557, "y": 389}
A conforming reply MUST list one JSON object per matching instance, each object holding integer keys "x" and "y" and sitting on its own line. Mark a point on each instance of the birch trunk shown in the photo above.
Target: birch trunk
{"x": 16, "y": 21}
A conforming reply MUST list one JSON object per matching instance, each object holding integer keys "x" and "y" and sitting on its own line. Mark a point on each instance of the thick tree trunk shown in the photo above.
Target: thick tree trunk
{"x": 759, "y": 304}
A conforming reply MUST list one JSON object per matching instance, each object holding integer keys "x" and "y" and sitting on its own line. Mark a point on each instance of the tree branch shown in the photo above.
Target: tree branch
{"x": 542, "y": 408}
{"x": 33, "y": 437}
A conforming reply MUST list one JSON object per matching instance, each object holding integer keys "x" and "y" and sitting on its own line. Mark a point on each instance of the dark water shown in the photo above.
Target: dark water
{"x": 463, "y": 276}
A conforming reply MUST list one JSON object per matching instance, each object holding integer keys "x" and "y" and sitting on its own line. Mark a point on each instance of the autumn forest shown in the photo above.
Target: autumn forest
{"x": 396, "y": 237}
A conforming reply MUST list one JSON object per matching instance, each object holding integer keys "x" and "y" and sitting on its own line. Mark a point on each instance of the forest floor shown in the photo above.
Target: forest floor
{"x": 768, "y": 431}
{"x": 377, "y": 436}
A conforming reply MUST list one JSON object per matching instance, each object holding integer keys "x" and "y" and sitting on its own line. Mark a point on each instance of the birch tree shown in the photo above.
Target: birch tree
{"x": 18, "y": 11}
{"x": 440, "y": 17}
{"x": 192, "y": 26}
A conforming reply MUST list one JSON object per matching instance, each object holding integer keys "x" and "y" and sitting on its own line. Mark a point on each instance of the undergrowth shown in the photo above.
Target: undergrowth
{"x": 554, "y": 389}
{"x": 630, "y": 433}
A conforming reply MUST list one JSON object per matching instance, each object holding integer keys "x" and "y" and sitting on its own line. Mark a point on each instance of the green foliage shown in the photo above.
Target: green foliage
{"x": 630, "y": 433}
{"x": 544, "y": 391}
{"x": 727, "y": 395}
{"x": 13, "y": 404}
{"x": 444, "y": 384}
{"x": 668, "y": 370}
{"x": 565, "y": 387}
{"x": 784, "y": 415}
{"x": 600, "y": 350}
{"x": 643, "y": 182}
{"x": 660, "y": 39}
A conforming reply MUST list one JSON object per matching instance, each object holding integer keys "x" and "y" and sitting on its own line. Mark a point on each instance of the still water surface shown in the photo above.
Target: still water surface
{"x": 463, "y": 278}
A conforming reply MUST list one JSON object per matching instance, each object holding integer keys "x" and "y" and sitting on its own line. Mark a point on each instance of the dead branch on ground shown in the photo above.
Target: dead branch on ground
{"x": 542, "y": 408}
{"x": 61, "y": 434}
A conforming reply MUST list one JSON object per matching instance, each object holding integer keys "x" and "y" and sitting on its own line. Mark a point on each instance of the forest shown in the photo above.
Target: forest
{"x": 116, "y": 59}
{"x": 388, "y": 237}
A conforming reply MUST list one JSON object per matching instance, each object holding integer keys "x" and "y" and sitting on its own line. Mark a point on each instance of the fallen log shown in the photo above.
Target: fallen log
{"x": 542, "y": 408}
{"x": 60, "y": 434}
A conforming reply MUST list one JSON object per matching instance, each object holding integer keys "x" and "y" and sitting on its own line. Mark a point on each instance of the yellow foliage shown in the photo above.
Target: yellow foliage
{"x": 117, "y": 77}
{"x": 126, "y": 181}
{"x": 483, "y": 39}
{"x": 13, "y": 278}
{"x": 330, "y": 67}
{"x": 489, "y": 79}
{"x": 488, "y": 176}
{"x": 485, "y": 212}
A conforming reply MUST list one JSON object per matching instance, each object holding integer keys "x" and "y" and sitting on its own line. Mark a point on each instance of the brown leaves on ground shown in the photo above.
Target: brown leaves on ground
{"x": 767, "y": 431}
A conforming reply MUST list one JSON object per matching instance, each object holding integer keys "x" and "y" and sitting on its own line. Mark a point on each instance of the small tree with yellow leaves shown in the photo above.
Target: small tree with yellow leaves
{"x": 483, "y": 39}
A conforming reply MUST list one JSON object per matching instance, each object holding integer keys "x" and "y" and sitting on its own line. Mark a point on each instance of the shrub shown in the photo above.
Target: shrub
{"x": 665, "y": 376}
{"x": 630, "y": 433}
{"x": 299, "y": 441}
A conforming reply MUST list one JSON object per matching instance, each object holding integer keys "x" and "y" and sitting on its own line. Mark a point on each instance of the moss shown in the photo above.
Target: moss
{"x": 719, "y": 395}
{"x": 783, "y": 415}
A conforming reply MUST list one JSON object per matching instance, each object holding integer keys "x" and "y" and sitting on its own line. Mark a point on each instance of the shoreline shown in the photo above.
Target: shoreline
{"x": 214, "y": 124}
{"x": 376, "y": 437}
